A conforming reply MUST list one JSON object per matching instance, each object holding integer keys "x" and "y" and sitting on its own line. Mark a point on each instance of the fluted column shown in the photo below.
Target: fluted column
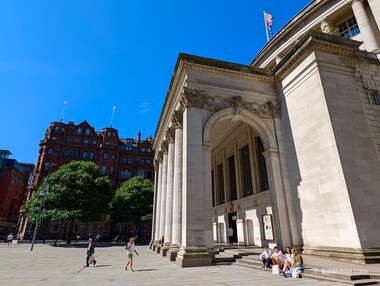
{"x": 154, "y": 206}
{"x": 169, "y": 194}
{"x": 364, "y": 25}
{"x": 163, "y": 194}
{"x": 177, "y": 188}
{"x": 158, "y": 203}
{"x": 193, "y": 251}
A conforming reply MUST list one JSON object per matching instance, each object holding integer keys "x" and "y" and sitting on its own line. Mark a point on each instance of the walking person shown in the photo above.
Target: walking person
{"x": 130, "y": 250}
{"x": 10, "y": 238}
{"x": 90, "y": 252}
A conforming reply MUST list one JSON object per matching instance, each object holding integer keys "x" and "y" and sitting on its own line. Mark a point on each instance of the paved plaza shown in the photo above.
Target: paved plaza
{"x": 47, "y": 265}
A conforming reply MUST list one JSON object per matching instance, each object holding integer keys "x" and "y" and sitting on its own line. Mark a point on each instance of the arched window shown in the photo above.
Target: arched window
{"x": 142, "y": 161}
{"x": 111, "y": 170}
{"x": 91, "y": 155}
{"x": 79, "y": 131}
{"x": 105, "y": 156}
{"x": 67, "y": 153}
{"x": 124, "y": 160}
{"x": 87, "y": 132}
{"x": 126, "y": 174}
{"x": 50, "y": 152}
{"x": 56, "y": 128}
{"x": 140, "y": 173}
{"x": 84, "y": 155}
{"x": 104, "y": 170}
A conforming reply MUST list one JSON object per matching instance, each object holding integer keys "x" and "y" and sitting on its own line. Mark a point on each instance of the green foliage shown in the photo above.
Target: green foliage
{"x": 76, "y": 190}
{"x": 133, "y": 202}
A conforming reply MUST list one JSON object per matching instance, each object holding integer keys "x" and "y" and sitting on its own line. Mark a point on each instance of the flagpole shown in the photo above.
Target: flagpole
{"x": 266, "y": 27}
{"x": 113, "y": 111}
{"x": 63, "y": 110}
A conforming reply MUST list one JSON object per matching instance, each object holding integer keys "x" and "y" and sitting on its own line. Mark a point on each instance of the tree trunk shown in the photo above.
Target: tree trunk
{"x": 70, "y": 228}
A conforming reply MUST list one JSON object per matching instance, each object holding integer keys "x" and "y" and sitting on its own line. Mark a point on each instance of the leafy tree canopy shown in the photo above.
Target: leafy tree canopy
{"x": 133, "y": 202}
{"x": 76, "y": 190}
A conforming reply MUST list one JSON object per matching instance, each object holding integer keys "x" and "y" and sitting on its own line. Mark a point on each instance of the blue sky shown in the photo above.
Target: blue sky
{"x": 97, "y": 54}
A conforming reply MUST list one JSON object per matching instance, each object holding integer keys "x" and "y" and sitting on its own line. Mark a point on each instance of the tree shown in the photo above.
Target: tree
{"x": 133, "y": 202}
{"x": 77, "y": 190}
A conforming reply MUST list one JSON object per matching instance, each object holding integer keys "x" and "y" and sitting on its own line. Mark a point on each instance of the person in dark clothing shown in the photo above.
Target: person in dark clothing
{"x": 90, "y": 252}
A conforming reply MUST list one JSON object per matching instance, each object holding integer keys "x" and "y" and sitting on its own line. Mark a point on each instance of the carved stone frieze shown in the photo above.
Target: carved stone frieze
{"x": 170, "y": 135}
{"x": 199, "y": 99}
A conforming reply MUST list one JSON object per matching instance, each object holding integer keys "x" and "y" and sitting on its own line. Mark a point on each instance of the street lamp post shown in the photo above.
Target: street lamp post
{"x": 42, "y": 194}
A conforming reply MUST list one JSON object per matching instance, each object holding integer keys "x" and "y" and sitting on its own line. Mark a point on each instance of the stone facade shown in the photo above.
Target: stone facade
{"x": 285, "y": 150}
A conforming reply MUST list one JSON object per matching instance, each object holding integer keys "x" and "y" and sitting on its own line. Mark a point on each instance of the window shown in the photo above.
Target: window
{"x": 50, "y": 152}
{"x": 149, "y": 175}
{"x": 130, "y": 161}
{"x": 149, "y": 150}
{"x": 142, "y": 149}
{"x": 94, "y": 142}
{"x": 85, "y": 141}
{"x": 105, "y": 156}
{"x": 109, "y": 133}
{"x": 124, "y": 160}
{"x": 79, "y": 131}
{"x": 142, "y": 161}
{"x": 87, "y": 132}
{"x": 104, "y": 170}
{"x": 108, "y": 143}
{"x": 246, "y": 171}
{"x": 84, "y": 155}
{"x": 348, "y": 28}
{"x": 113, "y": 157}
{"x": 56, "y": 128}
{"x": 221, "y": 184}
{"x": 373, "y": 97}
{"x": 262, "y": 166}
{"x": 73, "y": 153}
{"x": 111, "y": 171}
{"x": 126, "y": 174}
{"x": 91, "y": 155}
{"x": 141, "y": 173}
{"x": 77, "y": 140}
{"x": 54, "y": 138}
{"x": 231, "y": 169}
{"x": 148, "y": 161}
{"x": 67, "y": 153}
{"x": 68, "y": 140}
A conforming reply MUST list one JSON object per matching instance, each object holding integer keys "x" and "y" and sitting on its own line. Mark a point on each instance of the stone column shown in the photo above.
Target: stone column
{"x": 193, "y": 251}
{"x": 375, "y": 8}
{"x": 279, "y": 207}
{"x": 157, "y": 232}
{"x": 163, "y": 194}
{"x": 241, "y": 232}
{"x": 364, "y": 25}
{"x": 154, "y": 205}
{"x": 177, "y": 188}
{"x": 169, "y": 194}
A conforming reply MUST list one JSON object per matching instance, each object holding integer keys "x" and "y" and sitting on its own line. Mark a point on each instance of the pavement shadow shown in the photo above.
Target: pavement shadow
{"x": 103, "y": 265}
{"x": 142, "y": 270}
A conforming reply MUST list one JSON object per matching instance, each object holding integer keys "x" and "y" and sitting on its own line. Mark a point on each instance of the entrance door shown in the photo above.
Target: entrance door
{"x": 232, "y": 218}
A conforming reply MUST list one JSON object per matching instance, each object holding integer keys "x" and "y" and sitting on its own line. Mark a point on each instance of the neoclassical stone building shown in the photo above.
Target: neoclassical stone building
{"x": 285, "y": 150}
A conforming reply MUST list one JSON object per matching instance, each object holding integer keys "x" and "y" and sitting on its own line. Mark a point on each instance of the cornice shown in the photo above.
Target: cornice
{"x": 317, "y": 41}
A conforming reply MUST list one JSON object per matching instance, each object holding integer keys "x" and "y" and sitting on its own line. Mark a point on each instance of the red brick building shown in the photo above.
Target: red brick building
{"x": 118, "y": 158}
{"x": 14, "y": 180}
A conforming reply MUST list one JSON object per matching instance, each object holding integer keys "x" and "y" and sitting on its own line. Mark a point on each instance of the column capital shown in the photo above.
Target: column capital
{"x": 159, "y": 156}
{"x": 170, "y": 134}
{"x": 177, "y": 119}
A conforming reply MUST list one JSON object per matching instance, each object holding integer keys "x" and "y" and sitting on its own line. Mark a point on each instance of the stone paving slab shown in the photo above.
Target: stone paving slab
{"x": 47, "y": 265}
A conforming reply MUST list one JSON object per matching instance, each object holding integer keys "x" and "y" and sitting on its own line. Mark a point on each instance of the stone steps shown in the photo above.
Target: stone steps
{"x": 249, "y": 258}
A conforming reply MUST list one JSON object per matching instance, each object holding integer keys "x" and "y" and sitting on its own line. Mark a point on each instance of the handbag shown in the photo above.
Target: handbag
{"x": 275, "y": 269}
{"x": 92, "y": 259}
{"x": 296, "y": 273}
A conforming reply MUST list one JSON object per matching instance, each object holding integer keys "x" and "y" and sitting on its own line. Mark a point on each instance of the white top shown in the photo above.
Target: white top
{"x": 10, "y": 237}
{"x": 279, "y": 254}
{"x": 131, "y": 247}
{"x": 289, "y": 257}
{"x": 266, "y": 254}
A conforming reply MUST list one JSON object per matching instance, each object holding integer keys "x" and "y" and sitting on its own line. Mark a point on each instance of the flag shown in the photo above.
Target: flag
{"x": 114, "y": 107}
{"x": 268, "y": 21}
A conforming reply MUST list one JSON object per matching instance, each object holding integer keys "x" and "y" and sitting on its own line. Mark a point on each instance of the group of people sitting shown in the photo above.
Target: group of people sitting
{"x": 289, "y": 264}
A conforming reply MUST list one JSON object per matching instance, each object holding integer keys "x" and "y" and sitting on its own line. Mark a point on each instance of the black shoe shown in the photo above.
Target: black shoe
{"x": 94, "y": 262}
{"x": 87, "y": 265}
